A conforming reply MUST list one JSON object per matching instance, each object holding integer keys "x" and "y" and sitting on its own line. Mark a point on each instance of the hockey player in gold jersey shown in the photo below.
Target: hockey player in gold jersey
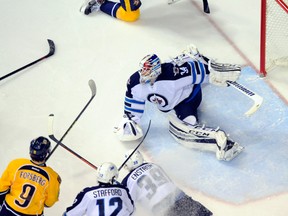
{"x": 125, "y": 10}
{"x": 27, "y": 186}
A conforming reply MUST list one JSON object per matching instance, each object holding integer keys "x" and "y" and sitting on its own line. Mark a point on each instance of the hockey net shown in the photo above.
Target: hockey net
{"x": 274, "y": 35}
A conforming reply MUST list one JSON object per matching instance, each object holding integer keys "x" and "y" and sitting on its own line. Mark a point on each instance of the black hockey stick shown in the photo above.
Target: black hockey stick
{"x": 52, "y": 137}
{"x": 93, "y": 91}
{"x": 51, "y": 52}
{"x": 206, "y": 8}
{"x": 135, "y": 148}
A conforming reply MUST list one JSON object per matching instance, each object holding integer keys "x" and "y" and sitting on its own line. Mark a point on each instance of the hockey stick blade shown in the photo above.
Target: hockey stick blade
{"x": 172, "y": 1}
{"x": 136, "y": 147}
{"x": 206, "y": 8}
{"x": 83, "y": 6}
{"x": 257, "y": 99}
{"x": 52, "y": 137}
{"x": 51, "y": 52}
{"x": 92, "y": 86}
{"x": 52, "y": 48}
{"x": 93, "y": 93}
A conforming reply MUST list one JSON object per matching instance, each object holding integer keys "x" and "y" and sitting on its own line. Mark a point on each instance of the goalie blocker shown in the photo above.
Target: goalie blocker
{"x": 204, "y": 138}
{"x": 128, "y": 130}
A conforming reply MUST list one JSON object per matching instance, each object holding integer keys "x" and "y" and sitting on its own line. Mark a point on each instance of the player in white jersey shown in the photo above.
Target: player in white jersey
{"x": 103, "y": 199}
{"x": 150, "y": 187}
{"x": 175, "y": 87}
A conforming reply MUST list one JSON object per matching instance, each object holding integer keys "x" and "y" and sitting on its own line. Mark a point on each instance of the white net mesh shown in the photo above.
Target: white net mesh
{"x": 276, "y": 34}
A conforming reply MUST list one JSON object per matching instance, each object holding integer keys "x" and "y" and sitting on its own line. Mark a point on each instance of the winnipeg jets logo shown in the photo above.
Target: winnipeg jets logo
{"x": 157, "y": 99}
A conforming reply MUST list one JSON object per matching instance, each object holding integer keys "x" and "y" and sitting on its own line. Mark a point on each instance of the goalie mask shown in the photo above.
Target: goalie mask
{"x": 107, "y": 172}
{"x": 40, "y": 149}
{"x": 150, "y": 68}
{"x": 134, "y": 161}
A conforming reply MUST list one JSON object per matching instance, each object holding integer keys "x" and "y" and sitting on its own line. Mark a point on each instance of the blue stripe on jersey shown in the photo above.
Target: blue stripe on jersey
{"x": 129, "y": 109}
{"x": 202, "y": 70}
{"x": 129, "y": 100}
{"x": 193, "y": 71}
{"x": 195, "y": 91}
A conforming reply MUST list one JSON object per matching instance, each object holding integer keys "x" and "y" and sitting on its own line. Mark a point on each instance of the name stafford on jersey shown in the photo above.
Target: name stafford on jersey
{"x": 107, "y": 192}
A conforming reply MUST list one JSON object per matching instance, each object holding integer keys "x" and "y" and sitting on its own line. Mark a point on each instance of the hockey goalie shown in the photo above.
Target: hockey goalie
{"x": 175, "y": 87}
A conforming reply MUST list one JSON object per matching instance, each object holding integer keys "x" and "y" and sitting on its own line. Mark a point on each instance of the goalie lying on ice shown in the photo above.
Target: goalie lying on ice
{"x": 175, "y": 86}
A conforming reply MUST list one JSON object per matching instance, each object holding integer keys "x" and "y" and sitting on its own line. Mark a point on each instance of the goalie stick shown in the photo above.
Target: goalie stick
{"x": 206, "y": 8}
{"x": 52, "y": 137}
{"x": 51, "y": 52}
{"x": 93, "y": 93}
{"x": 136, "y": 147}
{"x": 257, "y": 99}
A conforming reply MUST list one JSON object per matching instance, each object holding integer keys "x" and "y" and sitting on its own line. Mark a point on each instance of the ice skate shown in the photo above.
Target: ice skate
{"x": 229, "y": 151}
{"x": 91, "y": 5}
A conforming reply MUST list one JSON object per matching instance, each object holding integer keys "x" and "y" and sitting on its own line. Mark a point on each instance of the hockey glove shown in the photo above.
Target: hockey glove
{"x": 221, "y": 73}
{"x": 128, "y": 130}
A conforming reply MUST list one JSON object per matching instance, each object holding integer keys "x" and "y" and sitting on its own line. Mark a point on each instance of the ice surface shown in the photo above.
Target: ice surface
{"x": 106, "y": 50}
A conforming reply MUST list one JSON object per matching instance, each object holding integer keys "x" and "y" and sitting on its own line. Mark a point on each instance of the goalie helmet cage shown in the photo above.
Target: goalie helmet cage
{"x": 274, "y": 35}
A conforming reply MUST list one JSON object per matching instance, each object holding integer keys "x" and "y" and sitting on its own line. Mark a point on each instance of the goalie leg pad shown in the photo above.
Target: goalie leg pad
{"x": 195, "y": 136}
{"x": 190, "y": 141}
{"x": 204, "y": 138}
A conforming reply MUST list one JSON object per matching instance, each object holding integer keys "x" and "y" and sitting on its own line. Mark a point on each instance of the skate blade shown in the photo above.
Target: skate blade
{"x": 235, "y": 153}
{"x": 83, "y": 6}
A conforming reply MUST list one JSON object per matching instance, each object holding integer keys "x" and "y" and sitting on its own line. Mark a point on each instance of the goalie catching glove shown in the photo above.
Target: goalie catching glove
{"x": 128, "y": 130}
{"x": 221, "y": 73}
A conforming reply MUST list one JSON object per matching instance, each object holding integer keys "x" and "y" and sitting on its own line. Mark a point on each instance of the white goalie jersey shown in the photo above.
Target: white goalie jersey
{"x": 173, "y": 85}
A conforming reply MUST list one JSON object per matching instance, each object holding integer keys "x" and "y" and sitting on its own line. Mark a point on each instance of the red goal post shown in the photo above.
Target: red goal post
{"x": 273, "y": 35}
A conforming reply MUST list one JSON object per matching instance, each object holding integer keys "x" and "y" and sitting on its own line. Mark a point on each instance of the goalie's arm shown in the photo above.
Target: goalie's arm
{"x": 134, "y": 105}
{"x": 134, "y": 109}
